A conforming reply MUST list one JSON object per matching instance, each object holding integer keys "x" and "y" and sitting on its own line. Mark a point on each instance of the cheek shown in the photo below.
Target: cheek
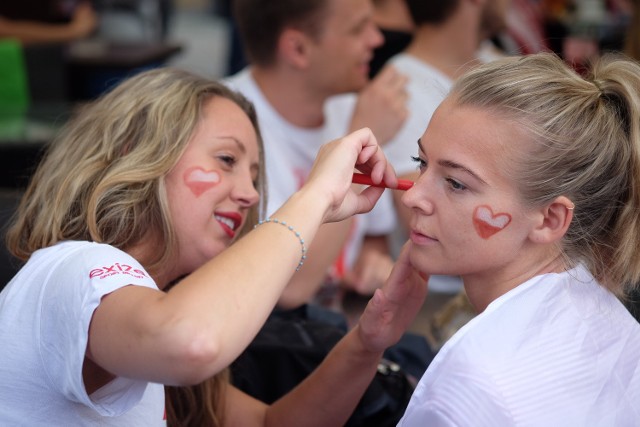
{"x": 487, "y": 223}
{"x": 199, "y": 180}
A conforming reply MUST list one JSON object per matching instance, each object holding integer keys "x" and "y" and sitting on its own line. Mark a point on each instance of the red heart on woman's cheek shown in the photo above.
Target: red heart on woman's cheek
{"x": 487, "y": 223}
{"x": 199, "y": 180}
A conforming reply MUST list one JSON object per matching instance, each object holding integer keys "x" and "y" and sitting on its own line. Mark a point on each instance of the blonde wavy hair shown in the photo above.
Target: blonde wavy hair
{"x": 200, "y": 405}
{"x": 584, "y": 144}
{"x": 102, "y": 180}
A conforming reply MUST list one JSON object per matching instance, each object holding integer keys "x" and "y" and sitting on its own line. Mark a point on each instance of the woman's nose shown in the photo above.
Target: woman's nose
{"x": 419, "y": 196}
{"x": 246, "y": 193}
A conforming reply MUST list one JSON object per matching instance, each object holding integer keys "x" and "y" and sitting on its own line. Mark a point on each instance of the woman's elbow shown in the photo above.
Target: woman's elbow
{"x": 197, "y": 358}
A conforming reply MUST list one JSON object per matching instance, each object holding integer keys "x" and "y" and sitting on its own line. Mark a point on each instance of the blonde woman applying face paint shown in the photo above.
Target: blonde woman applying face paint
{"x": 529, "y": 189}
{"x": 131, "y": 281}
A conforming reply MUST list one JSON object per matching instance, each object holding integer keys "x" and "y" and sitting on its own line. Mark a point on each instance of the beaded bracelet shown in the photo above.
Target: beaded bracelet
{"x": 304, "y": 248}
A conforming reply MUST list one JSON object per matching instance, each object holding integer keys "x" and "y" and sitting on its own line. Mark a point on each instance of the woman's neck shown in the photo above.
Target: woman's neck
{"x": 484, "y": 288}
{"x": 287, "y": 92}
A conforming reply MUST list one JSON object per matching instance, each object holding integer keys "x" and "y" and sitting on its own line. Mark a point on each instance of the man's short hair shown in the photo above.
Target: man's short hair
{"x": 261, "y": 22}
{"x": 431, "y": 11}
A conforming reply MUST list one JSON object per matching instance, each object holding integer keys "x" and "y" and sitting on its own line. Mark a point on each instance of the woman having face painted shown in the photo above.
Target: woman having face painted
{"x": 130, "y": 282}
{"x": 530, "y": 190}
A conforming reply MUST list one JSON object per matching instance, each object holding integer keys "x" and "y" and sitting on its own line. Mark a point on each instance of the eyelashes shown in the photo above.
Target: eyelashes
{"x": 452, "y": 184}
{"x": 228, "y": 160}
{"x": 421, "y": 164}
{"x": 455, "y": 185}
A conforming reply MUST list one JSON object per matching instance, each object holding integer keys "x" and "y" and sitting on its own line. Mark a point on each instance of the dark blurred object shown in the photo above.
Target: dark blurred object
{"x": 51, "y": 11}
{"x": 96, "y": 66}
{"x": 632, "y": 36}
{"x": 291, "y": 345}
{"x": 47, "y": 72}
{"x": 24, "y": 137}
{"x": 221, "y": 8}
{"x": 236, "y": 58}
{"x": 8, "y": 264}
{"x": 632, "y": 302}
{"x": 396, "y": 25}
{"x": 394, "y": 42}
{"x": 47, "y": 21}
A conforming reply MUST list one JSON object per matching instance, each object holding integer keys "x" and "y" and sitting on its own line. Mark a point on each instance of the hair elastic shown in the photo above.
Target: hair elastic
{"x": 303, "y": 247}
{"x": 598, "y": 86}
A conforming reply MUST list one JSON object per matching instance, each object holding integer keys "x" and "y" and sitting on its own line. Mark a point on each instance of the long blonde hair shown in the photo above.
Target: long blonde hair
{"x": 586, "y": 146}
{"x": 201, "y": 405}
{"x": 102, "y": 179}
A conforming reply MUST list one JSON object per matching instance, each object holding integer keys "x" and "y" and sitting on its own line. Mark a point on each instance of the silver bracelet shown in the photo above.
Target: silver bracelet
{"x": 303, "y": 247}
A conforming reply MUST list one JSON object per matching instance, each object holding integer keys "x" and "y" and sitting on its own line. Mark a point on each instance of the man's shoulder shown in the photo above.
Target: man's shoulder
{"x": 240, "y": 80}
{"x": 341, "y": 102}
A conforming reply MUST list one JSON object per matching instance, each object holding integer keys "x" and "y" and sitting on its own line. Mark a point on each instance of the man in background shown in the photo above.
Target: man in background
{"x": 308, "y": 60}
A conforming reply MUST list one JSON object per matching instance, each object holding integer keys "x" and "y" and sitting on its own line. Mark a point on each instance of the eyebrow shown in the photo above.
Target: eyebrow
{"x": 240, "y": 145}
{"x": 453, "y": 165}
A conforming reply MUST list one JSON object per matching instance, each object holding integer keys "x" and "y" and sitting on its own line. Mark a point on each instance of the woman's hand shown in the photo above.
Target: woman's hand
{"x": 392, "y": 308}
{"x": 372, "y": 268}
{"x": 382, "y": 104}
{"x": 333, "y": 169}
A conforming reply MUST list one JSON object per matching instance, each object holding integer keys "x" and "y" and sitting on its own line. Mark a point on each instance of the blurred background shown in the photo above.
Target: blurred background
{"x": 55, "y": 55}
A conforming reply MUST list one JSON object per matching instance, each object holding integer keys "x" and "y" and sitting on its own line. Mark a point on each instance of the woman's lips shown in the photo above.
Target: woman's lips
{"x": 421, "y": 239}
{"x": 229, "y": 222}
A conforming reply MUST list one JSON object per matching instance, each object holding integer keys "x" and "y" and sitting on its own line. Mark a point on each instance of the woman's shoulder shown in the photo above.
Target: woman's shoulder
{"x": 77, "y": 250}
{"x": 87, "y": 258}
{"x": 542, "y": 313}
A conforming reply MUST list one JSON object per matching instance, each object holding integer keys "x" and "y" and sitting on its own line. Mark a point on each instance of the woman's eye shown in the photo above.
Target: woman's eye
{"x": 455, "y": 185}
{"x": 228, "y": 160}
{"x": 422, "y": 164}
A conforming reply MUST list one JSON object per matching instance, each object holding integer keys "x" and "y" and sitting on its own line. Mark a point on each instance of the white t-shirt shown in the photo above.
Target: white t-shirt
{"x": 291, "y": 150}
{"x": 558, "y": 350}
{"x": 426, "y": 87}
{"x": 45, "y": 312}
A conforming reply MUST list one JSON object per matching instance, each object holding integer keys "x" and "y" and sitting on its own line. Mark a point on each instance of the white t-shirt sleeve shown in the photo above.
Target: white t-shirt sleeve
{"x": 73, "y": 290}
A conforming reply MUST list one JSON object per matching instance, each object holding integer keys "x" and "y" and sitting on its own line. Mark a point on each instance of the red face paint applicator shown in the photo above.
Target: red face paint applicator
{"x": 358, "y": 178}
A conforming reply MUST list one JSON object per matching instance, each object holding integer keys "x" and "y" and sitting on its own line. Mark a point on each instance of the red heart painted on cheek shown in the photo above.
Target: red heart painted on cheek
{"x": 487, "y": 223}
{"x": 199, "y": 180}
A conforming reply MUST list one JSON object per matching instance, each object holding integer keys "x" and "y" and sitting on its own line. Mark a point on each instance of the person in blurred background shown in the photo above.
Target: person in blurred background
{"x": 47, "y": 21}
{"x": 302, "y": 56}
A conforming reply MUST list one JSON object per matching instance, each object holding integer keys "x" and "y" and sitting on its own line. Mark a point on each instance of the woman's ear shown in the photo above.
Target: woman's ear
{"x": 292, "y": 47}
{"x": 556, "y": 218}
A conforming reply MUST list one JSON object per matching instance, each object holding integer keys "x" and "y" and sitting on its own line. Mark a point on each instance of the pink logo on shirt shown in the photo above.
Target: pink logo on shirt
{"x": 115, "y": 269}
